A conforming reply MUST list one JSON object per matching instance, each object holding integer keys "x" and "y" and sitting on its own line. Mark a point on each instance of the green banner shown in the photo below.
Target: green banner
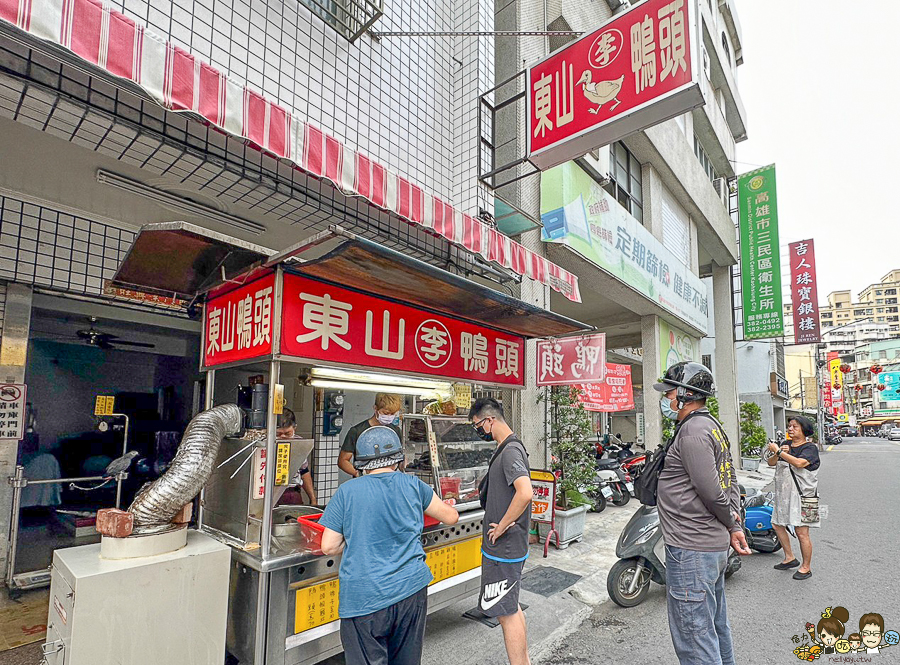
{"x": 760, "y": 255}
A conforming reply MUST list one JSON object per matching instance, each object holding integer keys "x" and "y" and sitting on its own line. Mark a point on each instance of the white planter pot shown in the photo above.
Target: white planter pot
{"x": 750, "y": 463}
{"x": 569, "y": 526}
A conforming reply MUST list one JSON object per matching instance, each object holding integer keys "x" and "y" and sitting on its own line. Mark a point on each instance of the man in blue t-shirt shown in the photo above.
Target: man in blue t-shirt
{"x": 376, "y": 522}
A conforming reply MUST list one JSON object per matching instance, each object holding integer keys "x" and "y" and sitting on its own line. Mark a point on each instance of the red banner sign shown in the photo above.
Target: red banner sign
{"x": 613, "y": 394}
{"x": 238, "y": 324}
{"x": 324, "y": 322}
{"x": 571, "y": 361}
{"x": 637, "y": 70}
{"x": 804, "y": 295}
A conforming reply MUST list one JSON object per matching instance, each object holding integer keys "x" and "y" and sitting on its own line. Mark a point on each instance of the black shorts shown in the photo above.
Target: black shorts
{"x": 500, "y": 584}
{"x": 392, "y": 636}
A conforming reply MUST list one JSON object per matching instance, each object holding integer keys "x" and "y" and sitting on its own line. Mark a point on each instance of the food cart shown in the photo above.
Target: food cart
{"x": 333, "y": 313}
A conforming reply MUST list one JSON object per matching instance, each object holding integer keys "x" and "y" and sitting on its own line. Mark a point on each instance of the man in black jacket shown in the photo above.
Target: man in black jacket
{"x": 699, "y": 513}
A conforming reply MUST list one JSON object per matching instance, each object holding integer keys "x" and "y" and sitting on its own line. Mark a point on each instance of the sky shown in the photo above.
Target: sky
{"x": 821, "y": 87}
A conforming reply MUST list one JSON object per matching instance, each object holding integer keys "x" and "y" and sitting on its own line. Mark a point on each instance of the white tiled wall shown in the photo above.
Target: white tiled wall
{"x": 393, "y": 99}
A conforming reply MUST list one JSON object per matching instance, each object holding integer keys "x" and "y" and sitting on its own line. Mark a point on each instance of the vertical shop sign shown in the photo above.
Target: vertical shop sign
{"x": 572, "y": 360}
{"x": 804, "y": 294}
{"x": 760, "y": 255}
{"x": 636, "y": 70}
{"x": 238, "y": 323}
{"x": 543, "y": 488}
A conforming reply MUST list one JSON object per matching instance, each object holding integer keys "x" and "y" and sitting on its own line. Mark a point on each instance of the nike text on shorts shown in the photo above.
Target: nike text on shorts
{"x": 500, "y": 583}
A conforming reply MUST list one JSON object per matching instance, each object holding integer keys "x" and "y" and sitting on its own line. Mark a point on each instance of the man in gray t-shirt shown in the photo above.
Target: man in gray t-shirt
{"x": 698, "y": 501}
{"x": 507, "y": 514}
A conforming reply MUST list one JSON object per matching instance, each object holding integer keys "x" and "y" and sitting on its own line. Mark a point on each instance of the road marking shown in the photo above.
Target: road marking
{"x": 830, "y": 448}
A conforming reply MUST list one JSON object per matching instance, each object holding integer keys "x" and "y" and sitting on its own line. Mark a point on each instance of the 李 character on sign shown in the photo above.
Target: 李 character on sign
{"x": 433, "y": 343}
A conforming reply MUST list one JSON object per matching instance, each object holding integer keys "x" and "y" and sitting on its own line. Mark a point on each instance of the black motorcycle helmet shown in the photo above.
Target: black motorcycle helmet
{"x": 692, "y": 380}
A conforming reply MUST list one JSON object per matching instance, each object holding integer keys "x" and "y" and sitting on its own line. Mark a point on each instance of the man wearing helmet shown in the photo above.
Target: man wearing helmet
{"x": 376, "y": 522}
{"x": 699, "y": 504}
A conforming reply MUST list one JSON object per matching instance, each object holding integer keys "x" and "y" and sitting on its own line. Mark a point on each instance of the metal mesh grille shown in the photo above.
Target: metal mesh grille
{"x": 58, "y": 97}
{"x": 45, "y": 247}
{"x": 325, "y": 455}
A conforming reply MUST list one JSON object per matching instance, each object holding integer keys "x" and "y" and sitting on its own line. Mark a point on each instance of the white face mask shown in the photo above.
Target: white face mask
{"x": 386, "y": 419}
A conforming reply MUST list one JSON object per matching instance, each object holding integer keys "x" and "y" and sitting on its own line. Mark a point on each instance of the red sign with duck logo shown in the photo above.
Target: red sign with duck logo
{"x": 637, "y": 70}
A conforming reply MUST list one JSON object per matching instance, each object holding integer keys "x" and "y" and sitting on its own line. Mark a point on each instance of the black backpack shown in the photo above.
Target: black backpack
{"x": 646, "y": 484}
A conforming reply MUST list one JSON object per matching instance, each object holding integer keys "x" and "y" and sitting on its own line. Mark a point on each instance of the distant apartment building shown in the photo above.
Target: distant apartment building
{"x": 877, "y": 303}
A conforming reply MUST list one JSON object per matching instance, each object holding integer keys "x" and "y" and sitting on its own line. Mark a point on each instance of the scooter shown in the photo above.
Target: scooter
{"x": 642, "y": 559}
{"x": 758, "y": 529}
{"x": 613, "y": 484}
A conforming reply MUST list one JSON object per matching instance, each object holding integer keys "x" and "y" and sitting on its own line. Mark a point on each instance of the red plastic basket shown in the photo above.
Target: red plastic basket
{"x": 312, "y": 532}
{"x": 450, "y": 486}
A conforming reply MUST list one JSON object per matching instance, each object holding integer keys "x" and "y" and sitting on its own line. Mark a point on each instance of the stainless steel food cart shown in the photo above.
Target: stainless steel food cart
{"x": 283, "y": 594}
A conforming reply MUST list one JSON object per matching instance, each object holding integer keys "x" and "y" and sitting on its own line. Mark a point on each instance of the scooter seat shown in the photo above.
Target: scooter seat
{"x": 608, "y": 463}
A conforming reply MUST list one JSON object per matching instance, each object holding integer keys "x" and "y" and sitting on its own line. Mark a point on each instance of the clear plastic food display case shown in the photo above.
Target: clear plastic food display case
{"x": 447, "y": 453}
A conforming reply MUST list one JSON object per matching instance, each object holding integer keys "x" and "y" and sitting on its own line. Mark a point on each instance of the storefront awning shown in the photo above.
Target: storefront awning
{"x": 337, "y": 256}
{"x": 101, "y": 37}
{"x": 181, "y": 259}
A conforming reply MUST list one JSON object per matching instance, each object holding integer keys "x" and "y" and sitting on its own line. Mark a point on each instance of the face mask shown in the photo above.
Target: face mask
{"x": 485, "y": 436}
{"x": 665, "y": 405}
{"x": 386, "y": 419}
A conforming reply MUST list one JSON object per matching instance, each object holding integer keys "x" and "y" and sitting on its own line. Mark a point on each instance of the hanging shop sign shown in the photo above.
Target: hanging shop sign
{"x": 890, "y": 396}
{"x": 778, "y": 385}
{"x": 12, "y": 411}
{"x": 571, "y": 361}
{"x": 613, "y": 394}
{"x": 325, "y": 322}
{"x": 760, "y": 255}
{"x": 238, "y": 324}
{"x": 577, "y": 212}
{"x": 804, "y": 295}
{"x": 836, "y": 381}
{"x": 635, "y": 71}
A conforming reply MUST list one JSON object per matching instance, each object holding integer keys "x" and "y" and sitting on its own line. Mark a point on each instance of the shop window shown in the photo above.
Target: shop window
{"x": 890, "y": 292}
{"x": 727, "y": 50}
{"x": 706, "y": 359}
{"x": 705, "y": 161}
{"x": 349, "y": 18}
{"x": 625, "y": 180}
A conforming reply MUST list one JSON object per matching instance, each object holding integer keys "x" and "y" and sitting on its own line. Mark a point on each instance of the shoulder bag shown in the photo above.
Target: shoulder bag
{"x": 483, "y": 483}
{"x": 809, "y": 505}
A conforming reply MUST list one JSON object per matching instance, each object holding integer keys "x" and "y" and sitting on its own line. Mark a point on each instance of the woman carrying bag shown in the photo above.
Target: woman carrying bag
{"x": 796, "y": 493}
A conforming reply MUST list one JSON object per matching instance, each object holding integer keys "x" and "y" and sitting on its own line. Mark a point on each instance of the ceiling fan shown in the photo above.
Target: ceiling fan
{"x": 104, "y": 340}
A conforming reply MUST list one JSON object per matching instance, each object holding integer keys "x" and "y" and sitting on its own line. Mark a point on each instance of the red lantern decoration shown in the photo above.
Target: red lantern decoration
{"x": 881, "y": 386}
{"x": 876, "y": 369}
{"x": 858, "y": 387}
{"x": 845, "y": 369}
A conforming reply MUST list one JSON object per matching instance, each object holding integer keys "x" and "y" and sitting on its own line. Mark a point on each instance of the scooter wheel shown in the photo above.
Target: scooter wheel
{"x": 619, "y": 581}
{"x": 598, "y": 501}
{"x": 621, "y": 496}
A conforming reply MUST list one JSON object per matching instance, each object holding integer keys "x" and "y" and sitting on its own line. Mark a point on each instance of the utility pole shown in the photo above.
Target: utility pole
{"x": 820, "y": 410}
{"x": 802, "y": 394}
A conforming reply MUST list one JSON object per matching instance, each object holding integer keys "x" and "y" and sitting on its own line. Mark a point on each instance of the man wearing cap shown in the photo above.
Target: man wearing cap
{"x": 376, "y": 523}
{"x": 699, "y": 512}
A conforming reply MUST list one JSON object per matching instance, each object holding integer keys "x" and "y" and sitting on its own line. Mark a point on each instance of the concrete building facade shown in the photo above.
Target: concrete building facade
{"x": 669, "y": 178}
{"x": 761, "y": 380}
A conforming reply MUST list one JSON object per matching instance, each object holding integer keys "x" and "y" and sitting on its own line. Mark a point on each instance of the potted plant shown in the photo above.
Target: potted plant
{"x": 753, "y": 436}
{"x": 573, "y": 457}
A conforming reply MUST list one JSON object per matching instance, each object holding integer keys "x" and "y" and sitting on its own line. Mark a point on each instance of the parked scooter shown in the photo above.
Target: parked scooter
{"x": 642, "y": 559}
{"x": 758, "y": 529}
{"x": 613, "y": 484}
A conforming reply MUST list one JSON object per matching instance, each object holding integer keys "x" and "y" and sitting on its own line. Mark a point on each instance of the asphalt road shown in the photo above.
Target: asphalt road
{"x": 855, "y": 564}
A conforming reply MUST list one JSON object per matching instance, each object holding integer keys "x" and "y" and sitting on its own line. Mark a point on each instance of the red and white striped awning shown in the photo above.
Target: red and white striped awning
{"x": 180, "y": 82}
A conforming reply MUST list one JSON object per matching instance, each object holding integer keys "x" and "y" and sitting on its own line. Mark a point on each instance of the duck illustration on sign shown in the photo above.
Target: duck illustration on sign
{"x": 601, "y": 92}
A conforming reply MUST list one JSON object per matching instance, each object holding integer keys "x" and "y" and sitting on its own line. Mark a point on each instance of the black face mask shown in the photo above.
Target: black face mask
{"x": 485, "y": 436}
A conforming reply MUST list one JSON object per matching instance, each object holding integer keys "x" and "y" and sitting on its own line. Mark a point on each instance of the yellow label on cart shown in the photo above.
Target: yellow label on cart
{"x": 445, "y": 562}
{"x": 282, "y": 464}
{"x": 103, "y": 406}
{"x": 317, "y": 605}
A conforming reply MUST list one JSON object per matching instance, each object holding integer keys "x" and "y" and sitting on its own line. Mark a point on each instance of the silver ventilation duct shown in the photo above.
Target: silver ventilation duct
{"x": 156, "y": 504}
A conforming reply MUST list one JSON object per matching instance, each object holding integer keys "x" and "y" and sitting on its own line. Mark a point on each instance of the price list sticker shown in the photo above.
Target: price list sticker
{"x": 282, "y": 464}
{"x": 316, "y": 605}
